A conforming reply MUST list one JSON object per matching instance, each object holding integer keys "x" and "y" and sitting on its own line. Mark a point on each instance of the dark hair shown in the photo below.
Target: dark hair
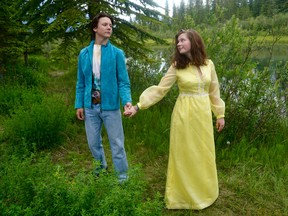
{"x": 96, "y": 19}
{"x": 197, "y": 51}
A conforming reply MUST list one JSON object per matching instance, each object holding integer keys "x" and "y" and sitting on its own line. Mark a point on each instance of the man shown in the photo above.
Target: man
{"x": 102, "y": 81}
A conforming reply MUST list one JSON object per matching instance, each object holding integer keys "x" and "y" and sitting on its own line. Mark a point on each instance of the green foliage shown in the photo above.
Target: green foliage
{"x": 19, "y": 74}
{"x": 250, "y": 94}
{"x": 272, "y": 156}
{"x": 46, "y": 189}
{"x": 257, "y": 170}
{"x": 226, "y": 9}
{"x": 184, "y": 22}
{"x": 39, "y": 64}
{"x": 153, "y": 123}
{"x": 62, "y": 51}
{"x": 254, "y": 104}
{"x": 22, "y": 85}
{"x": 40, "y": 126}
{"x": 13, "y": 97}
{"x": 11, "y": 32}
{"x": 69, "y": 20}
{"x": 154, "y": 126}
{"x": 227, "y": 47}
{"x": 276, "y": 25}
{"x": 143, "y": 73}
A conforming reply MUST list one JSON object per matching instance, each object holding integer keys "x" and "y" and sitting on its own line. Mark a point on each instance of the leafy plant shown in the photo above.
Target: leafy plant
{"x": 46, "y": 189}
{"x": 12, "y": 97}
{"x": 41, "y": 126}
{"x": 250, "y": 94}
{"x": 19, "y": 74}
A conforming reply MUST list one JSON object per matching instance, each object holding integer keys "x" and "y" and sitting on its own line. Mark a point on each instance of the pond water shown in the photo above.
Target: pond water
{"x": 272, "y": 57}
{"x": 265, "y": 57}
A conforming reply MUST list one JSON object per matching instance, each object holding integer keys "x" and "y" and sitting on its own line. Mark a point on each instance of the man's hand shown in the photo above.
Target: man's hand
{"x": 127, "y": 108}
{"x": 80, "y": 114}
{"x": 132, "y": 111}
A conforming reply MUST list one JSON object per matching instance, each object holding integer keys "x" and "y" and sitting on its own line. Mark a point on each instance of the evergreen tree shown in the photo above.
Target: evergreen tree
{"x": 11, "y": 32}
{"x": 179, "y": 16}
{"x": 256, "y": 7}
{"x": 243, "y": 10}
{"x": 282, "y": 6}
{"x": 167, "y": 19}
{"x": 207, "y": 5}
{"x": 47, "y": 20}
{"x": 269, "y": 8}
{"x": 174, "y": 14}
{"x": 166, "y": 8}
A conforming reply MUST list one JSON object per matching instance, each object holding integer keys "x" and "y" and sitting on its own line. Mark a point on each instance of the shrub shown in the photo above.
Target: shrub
{"x": 32, "y": 76}
{"x": 14, "y": 96}
{"x": 45, "y": 189}
{"x": 40, "y": 126}
{"x": 250, "y": 93}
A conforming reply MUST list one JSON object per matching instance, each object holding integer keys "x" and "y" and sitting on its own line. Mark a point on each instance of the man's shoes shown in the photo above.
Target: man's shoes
{"x": 100, "y": 171}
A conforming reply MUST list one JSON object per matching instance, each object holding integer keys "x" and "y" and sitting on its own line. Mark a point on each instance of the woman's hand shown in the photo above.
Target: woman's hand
{"x": 220, "y": 123}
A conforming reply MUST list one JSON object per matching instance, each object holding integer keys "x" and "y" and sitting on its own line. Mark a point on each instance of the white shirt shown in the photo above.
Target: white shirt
{"x": 96, "y": 64}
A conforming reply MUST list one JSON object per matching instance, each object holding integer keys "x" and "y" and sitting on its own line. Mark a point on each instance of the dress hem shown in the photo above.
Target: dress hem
{"x": 192, "y": 207}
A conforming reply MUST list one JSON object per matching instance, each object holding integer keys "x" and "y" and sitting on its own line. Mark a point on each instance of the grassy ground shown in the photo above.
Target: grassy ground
{"x": 252, "y": 180}
{"x": 271, "y": 39}
{"x": 252, "y": 177}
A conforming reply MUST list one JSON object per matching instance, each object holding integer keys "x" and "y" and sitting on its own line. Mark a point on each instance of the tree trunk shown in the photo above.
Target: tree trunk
{"x": 26, "y": 57}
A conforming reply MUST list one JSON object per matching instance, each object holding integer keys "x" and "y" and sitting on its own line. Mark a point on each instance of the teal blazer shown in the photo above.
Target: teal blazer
{"x": 115, "y": 83}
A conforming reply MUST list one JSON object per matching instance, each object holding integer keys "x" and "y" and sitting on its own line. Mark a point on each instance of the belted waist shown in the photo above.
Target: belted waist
{"x": 96, "y": 100}
{"x": 193, "y": 94}
{"x": 96, "y": 97}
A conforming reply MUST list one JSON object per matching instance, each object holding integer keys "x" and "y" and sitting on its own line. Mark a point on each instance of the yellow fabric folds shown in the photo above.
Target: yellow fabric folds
{"x": 192, "y": 176}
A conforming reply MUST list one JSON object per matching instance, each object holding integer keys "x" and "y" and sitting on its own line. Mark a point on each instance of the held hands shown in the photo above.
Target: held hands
{"x": 127, "y": 107}
{"x": 130, "y": 110}
{"x": 220, "y": 123}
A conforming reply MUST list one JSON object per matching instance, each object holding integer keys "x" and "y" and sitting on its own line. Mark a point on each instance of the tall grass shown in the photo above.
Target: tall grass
{"x": 39, "y": 127}
{"x": 256, "y": 173}
{"x": 14, "y": 96}
{"x": 36, "y": 186}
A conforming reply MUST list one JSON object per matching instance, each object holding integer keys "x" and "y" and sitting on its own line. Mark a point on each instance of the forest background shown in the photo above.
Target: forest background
{"x": 46, "y": 166}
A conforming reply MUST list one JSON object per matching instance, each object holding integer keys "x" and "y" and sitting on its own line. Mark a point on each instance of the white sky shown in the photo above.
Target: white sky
{"x": 170, "y": 3}
{"x": 163, "y": 2}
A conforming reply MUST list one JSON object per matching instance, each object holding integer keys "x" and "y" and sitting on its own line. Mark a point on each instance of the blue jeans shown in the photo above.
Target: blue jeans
{"x": 112, "y": 120}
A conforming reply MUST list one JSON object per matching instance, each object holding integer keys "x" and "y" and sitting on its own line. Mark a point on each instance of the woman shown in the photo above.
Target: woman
{"x": 192, "y": 176}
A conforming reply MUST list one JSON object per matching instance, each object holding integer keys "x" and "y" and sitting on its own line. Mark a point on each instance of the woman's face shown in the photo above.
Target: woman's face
{"x": 184, "y": 44}
{"x": 104, "y": 28}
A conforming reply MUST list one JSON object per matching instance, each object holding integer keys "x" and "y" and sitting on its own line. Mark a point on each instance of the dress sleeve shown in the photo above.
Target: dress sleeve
{"x": 217, "y": 104}
{"x": 155, "y": 93}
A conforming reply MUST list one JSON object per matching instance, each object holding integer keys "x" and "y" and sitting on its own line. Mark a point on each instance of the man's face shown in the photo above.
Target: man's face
{"x": 104, "y": 28}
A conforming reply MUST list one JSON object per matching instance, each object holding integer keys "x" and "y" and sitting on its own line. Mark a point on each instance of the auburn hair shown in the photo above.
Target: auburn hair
{"x": 198, "y": 52}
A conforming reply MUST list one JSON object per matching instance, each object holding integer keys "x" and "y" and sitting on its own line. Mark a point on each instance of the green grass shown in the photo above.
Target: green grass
{"x": 252, "y": 176}
{"x": 270, "y": 39}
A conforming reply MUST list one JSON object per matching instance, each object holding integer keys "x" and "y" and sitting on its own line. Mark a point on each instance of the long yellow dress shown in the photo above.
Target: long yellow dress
{"x": 192, "y": 176}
